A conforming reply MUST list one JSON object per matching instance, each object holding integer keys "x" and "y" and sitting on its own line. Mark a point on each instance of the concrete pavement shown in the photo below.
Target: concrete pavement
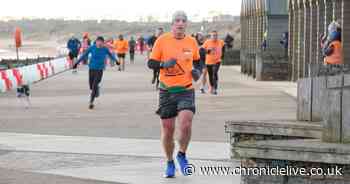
{"x": 105, "y": 159}
{"x": 119, "y": 140}
{"x": 22, "y": 177}
{"x": 128, "y": 102}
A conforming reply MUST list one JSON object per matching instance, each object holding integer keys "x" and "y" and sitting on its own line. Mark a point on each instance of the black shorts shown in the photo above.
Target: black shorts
{"x": 121, "y": 55}
{"x": 73, "y": 55}
{"x": 170, "y": 104}
{"x": 23, "y": 91}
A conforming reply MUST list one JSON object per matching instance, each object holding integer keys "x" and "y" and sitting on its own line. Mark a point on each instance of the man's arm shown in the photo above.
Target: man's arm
{"x": 208, "y": 51}
{"x": 197, "y": 67}
{"x": 153, "y": 64}
{"x": 328, "y": 50}
{"x": 156, "y": 65}
{"x": 206, "y": 48}
{"x": 112, "y": 56}
{"x": 155, "y": 58}
{"x": 82, "y": 57}
{"x": 197, "y": 70}
{"x": 223, "y": 50}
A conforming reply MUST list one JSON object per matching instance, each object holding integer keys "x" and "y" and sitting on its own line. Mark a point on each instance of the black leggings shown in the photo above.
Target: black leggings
{"x": 95, "y": 77}
{"x": 213, "y": 71}
{"x": 132, "y": 56}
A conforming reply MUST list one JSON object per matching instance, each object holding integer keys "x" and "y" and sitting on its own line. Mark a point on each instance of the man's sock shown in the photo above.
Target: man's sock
{"x": 181, "y": 153}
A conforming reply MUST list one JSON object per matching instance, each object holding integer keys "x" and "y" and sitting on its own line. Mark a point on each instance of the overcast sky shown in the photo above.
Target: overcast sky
{"x": 130, "y": 10}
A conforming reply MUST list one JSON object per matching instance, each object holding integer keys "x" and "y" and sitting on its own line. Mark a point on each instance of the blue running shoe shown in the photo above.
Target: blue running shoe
{"x": 170, "y": 169}
{"x": 183, "y": 162}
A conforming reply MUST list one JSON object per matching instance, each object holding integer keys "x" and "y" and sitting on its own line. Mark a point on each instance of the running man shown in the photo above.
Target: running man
{"x": 150, "y": 42}
{"x": 98, "y": 52}
{"x": 109, "y": 44}
{"x": 177, "y": 57}
{"x": 141, "y": 44}
{"x": 121, "y": 47}
{"x": 73, "y": 46}
{"x": 200, "y": 40}
{"x": 86, "y": 43}
{"x": 132, "y": 47}
{"x": 155, "y": 78}
{"x": 215, "y": 52}
{"x": 23, "y": 91}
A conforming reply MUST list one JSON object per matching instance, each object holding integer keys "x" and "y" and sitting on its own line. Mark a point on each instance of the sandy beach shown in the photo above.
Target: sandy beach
{"x": 30, "y": 49}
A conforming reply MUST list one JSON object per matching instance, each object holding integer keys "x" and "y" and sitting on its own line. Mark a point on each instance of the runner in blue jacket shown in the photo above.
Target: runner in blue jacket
{"x": 97, "y": 64}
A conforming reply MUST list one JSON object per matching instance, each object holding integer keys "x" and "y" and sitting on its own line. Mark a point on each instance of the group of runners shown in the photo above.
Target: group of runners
{"x": 120, "y": 47}
{"x": 177, "y": 60}
{"x": 212, "y": 51}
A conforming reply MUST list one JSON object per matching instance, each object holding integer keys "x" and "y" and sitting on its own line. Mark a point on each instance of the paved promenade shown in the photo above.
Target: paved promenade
{"x": 58, "y": 140}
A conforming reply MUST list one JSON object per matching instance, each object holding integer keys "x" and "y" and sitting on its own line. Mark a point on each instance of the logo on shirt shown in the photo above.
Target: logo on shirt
{"x": 174, "y": 71}
{"x": 185, "y": 55}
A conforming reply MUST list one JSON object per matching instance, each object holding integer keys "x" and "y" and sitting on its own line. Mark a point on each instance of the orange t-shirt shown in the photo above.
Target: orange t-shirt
{"x": 185, "y": 51}
{"x": 121, "y": 46}
{"x": 216, "y": 51}
{"x": 337, "y": 56}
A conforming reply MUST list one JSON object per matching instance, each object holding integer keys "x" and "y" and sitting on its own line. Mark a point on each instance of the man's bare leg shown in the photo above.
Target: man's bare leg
{"x": 185, "y": 118}
{"x": 167, "y": 137}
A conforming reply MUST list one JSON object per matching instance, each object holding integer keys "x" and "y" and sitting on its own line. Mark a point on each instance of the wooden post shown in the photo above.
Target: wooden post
{"x": 313, "y": 32}
{"x": 306, "y": 48}
{"x": 320, "y": 29}
{"x": 328, "y": 13}
{"x": 254, "y": 27}
{"x": 295, "y": 39}
{"x": 290, "y": 39}
{"x": 301, "y": 39}
{"x": 337, "y": 10}
{"x": 346, "y": 30}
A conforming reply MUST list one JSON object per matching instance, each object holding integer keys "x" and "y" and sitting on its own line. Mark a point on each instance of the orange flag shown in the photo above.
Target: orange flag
{"x": 18, "y": 37}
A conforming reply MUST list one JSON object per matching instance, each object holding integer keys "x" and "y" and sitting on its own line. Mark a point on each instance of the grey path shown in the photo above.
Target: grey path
{"x": 119, "y": 140}
{"x": 22, "y": 177}
{"x": 128, "y": 101}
